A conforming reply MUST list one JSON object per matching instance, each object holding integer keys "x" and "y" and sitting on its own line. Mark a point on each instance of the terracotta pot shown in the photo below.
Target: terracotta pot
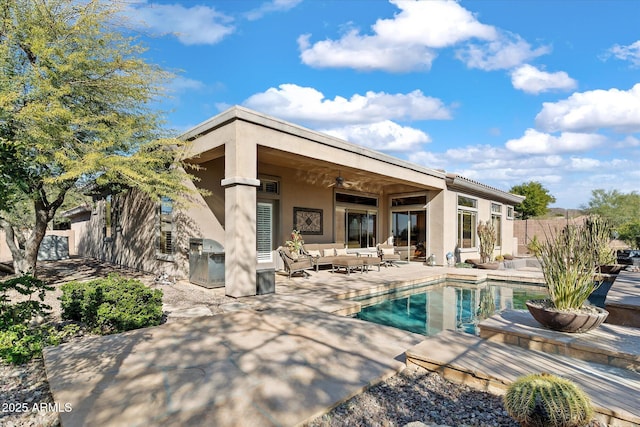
{"x": 566, "y": 321}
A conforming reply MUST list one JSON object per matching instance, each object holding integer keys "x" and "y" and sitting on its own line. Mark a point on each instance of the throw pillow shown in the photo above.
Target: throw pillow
{"x": 387, "y": 251}
{"x": 315, "y": 254}
{"x": 341, "y": 252}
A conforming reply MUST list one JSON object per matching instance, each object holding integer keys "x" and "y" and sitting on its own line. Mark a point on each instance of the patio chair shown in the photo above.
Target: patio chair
{"x": 387, "y": 255}
{"x": 294, "y": 265}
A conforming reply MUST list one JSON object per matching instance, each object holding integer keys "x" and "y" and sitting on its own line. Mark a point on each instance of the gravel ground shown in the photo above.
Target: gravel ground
{"x": 418, "y": 395}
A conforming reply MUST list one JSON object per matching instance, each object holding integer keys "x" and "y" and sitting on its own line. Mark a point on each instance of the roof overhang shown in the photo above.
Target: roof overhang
{"x": 78, "y": 210}
{"x": 459, "y": 183}
{"x": 263, "y": 120}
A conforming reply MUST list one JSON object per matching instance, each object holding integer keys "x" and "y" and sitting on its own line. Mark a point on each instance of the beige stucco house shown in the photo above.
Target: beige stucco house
{"x": 266, "y": 177}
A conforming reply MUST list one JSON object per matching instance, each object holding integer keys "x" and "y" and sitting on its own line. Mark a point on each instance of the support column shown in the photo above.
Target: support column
{"x": 240, "y": 184}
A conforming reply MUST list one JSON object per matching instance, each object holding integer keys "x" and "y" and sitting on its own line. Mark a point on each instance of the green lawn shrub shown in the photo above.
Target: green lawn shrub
{"x": 112, "y": 304}
{"x": 21, "y": 341}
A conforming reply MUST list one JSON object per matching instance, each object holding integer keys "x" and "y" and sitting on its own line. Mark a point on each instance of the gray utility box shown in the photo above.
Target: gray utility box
{"x": 265, "y": 281}
{"x": 206, "y": 263}
{"x": 53, "y": 248}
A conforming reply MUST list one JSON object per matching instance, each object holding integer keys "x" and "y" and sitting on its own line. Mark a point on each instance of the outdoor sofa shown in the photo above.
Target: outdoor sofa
{"x": 325, "y": 253}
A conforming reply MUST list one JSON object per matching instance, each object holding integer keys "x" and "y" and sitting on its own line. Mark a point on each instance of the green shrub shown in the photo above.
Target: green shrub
{"x": 23, "y": 311}
{"x": 544, "y": 400}
{"x": 113, "y": 304}
{"x": 19, "y": 342}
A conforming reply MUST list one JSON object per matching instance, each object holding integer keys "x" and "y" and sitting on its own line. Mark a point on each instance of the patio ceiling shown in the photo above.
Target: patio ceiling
{"x": 324, "y": 174}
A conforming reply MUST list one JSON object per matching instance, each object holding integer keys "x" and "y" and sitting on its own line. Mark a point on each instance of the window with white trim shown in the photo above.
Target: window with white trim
{"x": 509, "y": 212}
{"x": 496, "y": 220}
{"x": 467, "y": 222}
{"x": 165, "y": 244}
{"x": 264, "y": 233}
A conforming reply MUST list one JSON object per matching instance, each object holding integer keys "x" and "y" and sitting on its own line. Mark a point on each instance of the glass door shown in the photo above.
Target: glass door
{"x": 409, "y": 229}
{"x": 361, "y": 226}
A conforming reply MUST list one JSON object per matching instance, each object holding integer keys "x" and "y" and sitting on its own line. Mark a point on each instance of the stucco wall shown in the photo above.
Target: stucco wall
{"x": 524, "y": 230}
{"x": 133, "y": 244}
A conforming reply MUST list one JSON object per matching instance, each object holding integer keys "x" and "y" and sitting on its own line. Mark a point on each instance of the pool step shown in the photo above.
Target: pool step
{"x": 608, "y": 344}
{"x": 623, "y": 300}
{"x": 492, "y": 366}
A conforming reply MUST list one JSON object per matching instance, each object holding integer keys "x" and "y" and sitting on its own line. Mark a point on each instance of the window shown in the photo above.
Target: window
{"x": 410, "y": 200}
{"x": 467, "y": 222}
{"x": 509, "y": 212}
{"x": 264, "y": 233}
{"x": 496, "y": 220}
{"x": 467, "y": 202}
{"x": 356, "y": 199}
{"x": 356, "y": 223}
{"x": 165, "y": 235}
{"x": 269, "y": 186}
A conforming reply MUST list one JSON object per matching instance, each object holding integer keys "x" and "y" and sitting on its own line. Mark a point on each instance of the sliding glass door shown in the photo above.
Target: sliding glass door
{"x": 361, "y": 227}
{"x": 409, "y": 229}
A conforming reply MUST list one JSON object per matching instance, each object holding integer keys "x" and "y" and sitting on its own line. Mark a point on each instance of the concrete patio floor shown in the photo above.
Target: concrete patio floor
{"x": 270, "y": 360}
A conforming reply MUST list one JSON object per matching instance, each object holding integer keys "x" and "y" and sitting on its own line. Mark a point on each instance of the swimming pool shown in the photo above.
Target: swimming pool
{"x": 429, "y": 309}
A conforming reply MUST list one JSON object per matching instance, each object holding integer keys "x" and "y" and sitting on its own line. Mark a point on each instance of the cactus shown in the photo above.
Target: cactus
{"x": 544, "y": 400}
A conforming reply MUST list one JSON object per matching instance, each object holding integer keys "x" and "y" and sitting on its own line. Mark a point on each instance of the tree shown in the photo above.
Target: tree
{"x": 537, "y": 199}
{"x": 76, "y": 102}
{"x": 622, "y": 210}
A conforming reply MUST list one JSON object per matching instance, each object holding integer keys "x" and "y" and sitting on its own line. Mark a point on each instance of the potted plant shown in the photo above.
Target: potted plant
{"x": 295, "y": 244}
{"x": 545, "y": 400}
{"x": 568, "y": 266}
{"x": 599, "y": 230}
{"x": 488, "y": 237}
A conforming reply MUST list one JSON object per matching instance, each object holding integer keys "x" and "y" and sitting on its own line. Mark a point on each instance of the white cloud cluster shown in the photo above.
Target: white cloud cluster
{"x": 629, "y": 53}
{"x": 191, "y": 25}
{"x": 309, "y": 105}
{"x": 505, "y": 52}
{"x": 404, "y": 43}
{"x": 534, "y": 142}
{"x": 272, "y": 6}
{"x": 382, "y": 136}
{"x": 367, "y": 119}
{"x": 410, "y": 40}
{"x": 532, "y": 80}
{"x": 592, "y": 110}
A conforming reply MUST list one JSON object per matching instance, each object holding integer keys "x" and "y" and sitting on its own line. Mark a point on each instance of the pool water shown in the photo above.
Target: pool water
{"x": 458, "y": 306}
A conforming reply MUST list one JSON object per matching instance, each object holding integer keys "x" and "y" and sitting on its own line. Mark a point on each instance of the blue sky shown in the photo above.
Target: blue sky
{"x": 502, "y": 92}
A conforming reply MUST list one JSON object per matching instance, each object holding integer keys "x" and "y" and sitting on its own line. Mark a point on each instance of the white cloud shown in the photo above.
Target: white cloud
{"x": 428, "y": 159}
{"x": 181, "y": 84}
{"x": 629, "y": 53}
{"x": 190, "y": 25}
{"x": 382, "y": 136}
{"x": 629, "y": 141}
{"x": 585, "y": 163}
{"x": 507, "y": 51}
{"x": 364, "y": 53}
{"x": 434, "y": 24}
{"x": 532, "y": 80}
{"x": 272, "y": 6}
{"x": 588, "y": 111}
{"x": 308, "y": 105}
{"x": 534, "y": 142}
{"x": 405, "y": 42}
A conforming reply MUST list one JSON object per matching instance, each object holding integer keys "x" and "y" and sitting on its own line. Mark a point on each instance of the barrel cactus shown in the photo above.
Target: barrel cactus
{"x": 544, "y": 400}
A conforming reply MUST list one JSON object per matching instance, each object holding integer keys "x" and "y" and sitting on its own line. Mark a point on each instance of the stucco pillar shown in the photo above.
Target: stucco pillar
{"x": 240, "y": 184}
